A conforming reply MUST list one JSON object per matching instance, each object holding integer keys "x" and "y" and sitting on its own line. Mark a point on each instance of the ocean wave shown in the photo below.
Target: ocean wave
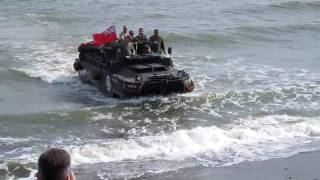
{"x": 270, "y": 33}
{"x": 236, "y": 35}
{"x": 247, "y": 139}
{"x": 50, "y": 62}
{"x": 229, "y": 85}
{"x": 277, "y": 30}
{"x": 309, "y": 27}
{"x": 297, "y": 5}
{"x": 221, "y": 105}
{"x": 200, "y": 38}
{"x": 18, "y": 73}
{"x": 244, "y": 139}
{"x": 11, "y": 140}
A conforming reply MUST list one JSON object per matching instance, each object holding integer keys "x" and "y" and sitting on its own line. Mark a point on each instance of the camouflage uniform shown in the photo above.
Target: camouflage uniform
{"x": 157, "y": 44}
{"x": 141, "y": 40}
{"x": 141, "y": 37}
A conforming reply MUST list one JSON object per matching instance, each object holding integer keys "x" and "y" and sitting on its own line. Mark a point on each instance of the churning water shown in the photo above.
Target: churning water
{"x": 255, "y": 63}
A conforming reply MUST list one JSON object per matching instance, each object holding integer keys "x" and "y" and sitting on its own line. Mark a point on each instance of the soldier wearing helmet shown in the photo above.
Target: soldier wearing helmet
{"x": 157, "y": 43}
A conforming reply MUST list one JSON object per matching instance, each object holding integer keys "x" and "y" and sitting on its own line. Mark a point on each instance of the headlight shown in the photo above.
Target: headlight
{"x": 182, "y": 73}
{"x": 138, "y": 78}
{"x": 188, "y": 81}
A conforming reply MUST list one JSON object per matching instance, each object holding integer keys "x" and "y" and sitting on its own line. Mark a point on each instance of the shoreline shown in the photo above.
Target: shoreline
{"x": 303, "y": 166}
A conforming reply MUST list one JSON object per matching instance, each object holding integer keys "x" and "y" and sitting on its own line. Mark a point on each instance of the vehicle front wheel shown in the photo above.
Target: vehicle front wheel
{"x": 83, "y": 75}
{"x": 105, "y": 85}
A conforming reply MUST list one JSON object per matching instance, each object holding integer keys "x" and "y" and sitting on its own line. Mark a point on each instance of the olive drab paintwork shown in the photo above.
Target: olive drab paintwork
{"x": 120, "y": 75}
{"x": 157, "y": 44}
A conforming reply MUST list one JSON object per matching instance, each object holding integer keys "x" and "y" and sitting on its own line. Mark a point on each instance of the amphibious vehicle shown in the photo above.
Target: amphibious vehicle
{"x": 120, "y": 76}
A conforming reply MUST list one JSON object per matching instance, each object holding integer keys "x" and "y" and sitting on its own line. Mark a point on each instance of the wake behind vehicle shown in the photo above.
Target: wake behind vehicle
{"x": 116, "y": 75}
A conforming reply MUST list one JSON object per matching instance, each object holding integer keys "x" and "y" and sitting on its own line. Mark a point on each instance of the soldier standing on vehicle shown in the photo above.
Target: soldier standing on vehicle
{"x": 132, "y": 41}
{"x": 141, "y": 41}
{"x": 141, "y": 37}
{"x": 124, "y": 34}
{"x": 125, "y": 41}
{"x": 157, "y": 43}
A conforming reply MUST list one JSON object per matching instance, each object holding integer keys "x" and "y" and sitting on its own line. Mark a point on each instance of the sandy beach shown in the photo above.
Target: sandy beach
{"x": 304, "y": 166}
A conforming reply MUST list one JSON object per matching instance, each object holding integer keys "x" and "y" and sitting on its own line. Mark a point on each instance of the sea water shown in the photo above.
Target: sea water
{"x": 255, "y": 65}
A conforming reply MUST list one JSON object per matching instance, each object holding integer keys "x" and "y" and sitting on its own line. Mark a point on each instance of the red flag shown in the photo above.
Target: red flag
{"x": 107, "y": 36}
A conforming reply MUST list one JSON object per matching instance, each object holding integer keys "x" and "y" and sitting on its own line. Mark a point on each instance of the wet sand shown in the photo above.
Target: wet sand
{"x": 304, "y": 166}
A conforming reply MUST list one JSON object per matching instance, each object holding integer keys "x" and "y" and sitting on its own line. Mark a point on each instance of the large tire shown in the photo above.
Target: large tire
{"x": 190, "y": 87}
{"x": 105, "y": 85}
{"x": 77, "y": 66}
{"x": 83, "y": 75}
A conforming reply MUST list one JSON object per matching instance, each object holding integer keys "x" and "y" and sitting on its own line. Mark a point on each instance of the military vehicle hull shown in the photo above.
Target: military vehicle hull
{"x": 130, "y": 76}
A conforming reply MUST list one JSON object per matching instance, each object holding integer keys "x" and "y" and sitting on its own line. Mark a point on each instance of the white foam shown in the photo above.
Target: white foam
{"x": 12, "y": 140}
{"x": 49, "y": 61}
{"x": 253, "y": 138}
{"x": 100, "y": 116}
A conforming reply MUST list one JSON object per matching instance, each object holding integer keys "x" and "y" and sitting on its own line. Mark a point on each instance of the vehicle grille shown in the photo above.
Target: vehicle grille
{"x": 166, "y": 86}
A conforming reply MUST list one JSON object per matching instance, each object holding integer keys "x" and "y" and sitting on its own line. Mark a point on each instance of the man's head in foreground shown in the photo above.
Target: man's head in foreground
{"x": 54, "y": 164}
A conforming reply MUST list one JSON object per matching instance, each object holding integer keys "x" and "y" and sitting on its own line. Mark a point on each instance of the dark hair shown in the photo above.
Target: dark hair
{"x": 54, "y": 164}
